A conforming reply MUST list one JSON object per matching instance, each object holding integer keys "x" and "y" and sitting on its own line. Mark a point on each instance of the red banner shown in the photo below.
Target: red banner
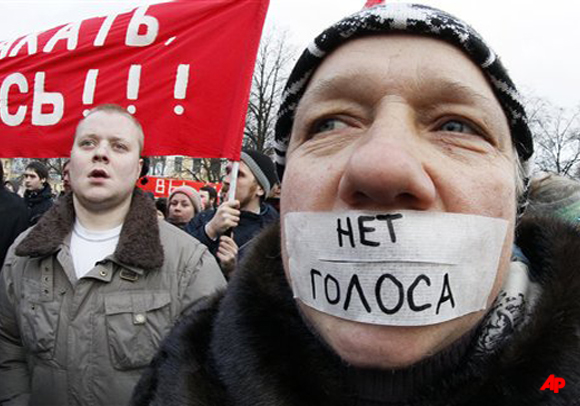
{"x": 183, "y": 69}
{"x": 162, "y": 187}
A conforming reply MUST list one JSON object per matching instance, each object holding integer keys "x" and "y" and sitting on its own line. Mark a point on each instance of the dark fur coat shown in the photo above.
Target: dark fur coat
{"x": 251, "y": 347}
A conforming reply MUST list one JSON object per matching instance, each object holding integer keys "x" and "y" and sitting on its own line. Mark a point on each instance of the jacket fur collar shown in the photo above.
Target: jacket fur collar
{"x": 255, "y": 349}
{"x": 139, "y": 243}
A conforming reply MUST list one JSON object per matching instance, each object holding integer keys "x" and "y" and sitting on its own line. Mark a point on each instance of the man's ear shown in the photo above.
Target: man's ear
{"x": 260, "y": 190}
{"x": 140, "y": 165}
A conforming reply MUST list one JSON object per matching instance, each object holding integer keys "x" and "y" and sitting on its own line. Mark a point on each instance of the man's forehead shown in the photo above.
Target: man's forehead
{"x": 348, "y": 68}
{"x": 100, "y": 118}
{"x": 243, "y": 166}
{"x": 109, "y": 124}
{"x": 245, "y": 169}
{"x": 445, "y": 77}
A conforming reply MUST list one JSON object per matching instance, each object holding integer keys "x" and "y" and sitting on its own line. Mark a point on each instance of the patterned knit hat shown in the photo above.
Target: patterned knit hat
{"x": 410, "y": 19}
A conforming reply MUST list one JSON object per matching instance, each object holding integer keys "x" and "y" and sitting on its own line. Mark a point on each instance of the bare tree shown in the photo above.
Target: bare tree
{"x": 206, "y": 170}
{"x": 201, "y": 170}
{"x": 556, "y": 136}
{"x": 54, "y": 165}
{"x": 270, "y": 74}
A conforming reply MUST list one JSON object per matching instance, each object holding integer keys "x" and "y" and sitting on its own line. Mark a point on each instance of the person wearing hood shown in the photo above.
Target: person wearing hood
{"x": 405, "y": 154}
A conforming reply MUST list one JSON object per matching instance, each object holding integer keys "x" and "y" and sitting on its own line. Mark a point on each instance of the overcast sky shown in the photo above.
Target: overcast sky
{"x": 539, "y": 42}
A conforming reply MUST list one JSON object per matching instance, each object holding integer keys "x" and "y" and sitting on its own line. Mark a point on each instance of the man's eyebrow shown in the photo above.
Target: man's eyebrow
{"x": 117, "y": 139}
{"x": 97, "y": 136}
{"x": 444, "y": 89}
{"x": 345, "y": 84}
{"x": 87, "y": 135}
{"x": 434, "y": 89}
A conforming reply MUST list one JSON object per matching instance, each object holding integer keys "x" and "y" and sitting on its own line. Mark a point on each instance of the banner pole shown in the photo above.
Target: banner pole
{"x": 233, "y": 180}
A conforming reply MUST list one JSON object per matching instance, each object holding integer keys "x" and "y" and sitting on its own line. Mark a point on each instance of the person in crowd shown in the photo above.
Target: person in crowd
{"x": 38, "y": 193}
{"x": 66, "y": 178}
{"x": 244, "y": 217}
{"x": 143, "y": 178}
{"x": 404, "y": 151}
{"x": 274, "y": 196}
{"x": 557, "y": 195}
{"x": 223, "y": 194}
{"x": 208, "y": 197}
{"x": 13, "y": 216}
{"x": 11, "y": 186}
{"x": 183, "y": 204}
{"x": 87, "y": 295}
{"x": 161, "y": 206}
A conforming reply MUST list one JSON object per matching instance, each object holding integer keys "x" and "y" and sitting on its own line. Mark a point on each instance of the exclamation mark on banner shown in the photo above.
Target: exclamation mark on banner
{"x": 133, "y": 86}
{"x": 180, "y": 89}
{"x": 89, "y": 89}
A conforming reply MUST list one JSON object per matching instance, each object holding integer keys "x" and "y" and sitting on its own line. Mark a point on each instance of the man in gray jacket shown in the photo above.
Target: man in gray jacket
{"x": 87, "y": 295}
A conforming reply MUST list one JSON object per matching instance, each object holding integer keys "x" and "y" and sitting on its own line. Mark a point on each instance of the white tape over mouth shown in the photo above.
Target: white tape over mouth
{"x": 404, "y": 268}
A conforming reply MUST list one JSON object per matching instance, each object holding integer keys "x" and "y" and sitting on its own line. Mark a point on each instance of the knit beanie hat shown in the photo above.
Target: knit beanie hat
{"x": 189, "y": 192}
{"x": 382, "y": 19}
{"x": 262, "y": 167}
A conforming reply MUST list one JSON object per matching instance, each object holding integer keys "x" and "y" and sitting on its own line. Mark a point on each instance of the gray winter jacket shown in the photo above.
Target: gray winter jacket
{"x": 85, "y": 342}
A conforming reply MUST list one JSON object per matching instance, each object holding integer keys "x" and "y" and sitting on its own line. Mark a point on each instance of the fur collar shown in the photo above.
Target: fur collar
{"x": 259, "y": 329}
{"x": 261, "y": 352}
{"x": 136, "y": 248}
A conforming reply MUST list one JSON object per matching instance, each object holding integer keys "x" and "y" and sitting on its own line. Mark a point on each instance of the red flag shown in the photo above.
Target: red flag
{"x": 371, "y": 3}
{"x": 183, "y": 69}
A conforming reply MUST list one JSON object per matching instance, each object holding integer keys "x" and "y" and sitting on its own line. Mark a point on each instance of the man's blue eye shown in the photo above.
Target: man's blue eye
{"x": 458, "y": 127}
{"x": 328, "y": 124}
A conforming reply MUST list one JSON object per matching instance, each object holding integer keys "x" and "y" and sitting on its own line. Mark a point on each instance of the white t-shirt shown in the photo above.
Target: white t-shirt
{"x": 88, "y": 247}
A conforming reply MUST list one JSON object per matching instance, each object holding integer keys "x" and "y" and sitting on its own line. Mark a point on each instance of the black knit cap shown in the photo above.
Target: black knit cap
{"x": 262, "y": 167}
{"x": 411, "y": 19}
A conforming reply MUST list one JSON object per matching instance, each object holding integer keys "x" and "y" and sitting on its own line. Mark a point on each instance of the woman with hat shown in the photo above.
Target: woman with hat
{"x": 183, "y": 204}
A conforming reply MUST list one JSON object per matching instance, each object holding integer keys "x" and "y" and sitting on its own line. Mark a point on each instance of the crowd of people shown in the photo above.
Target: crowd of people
{"x": 186, "y": 208}
{"x": 412, "y": 259}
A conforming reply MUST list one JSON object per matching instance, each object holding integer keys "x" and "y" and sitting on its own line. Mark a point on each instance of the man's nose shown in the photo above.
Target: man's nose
{"x": 101, "y": 153}
{"x": 386, "y": 169}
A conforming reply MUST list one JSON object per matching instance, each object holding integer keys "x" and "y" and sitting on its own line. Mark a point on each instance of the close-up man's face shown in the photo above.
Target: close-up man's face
{"x": 399, "y": 123}
{"x": 105, "y": 163}
{"x": 32, "y": 181}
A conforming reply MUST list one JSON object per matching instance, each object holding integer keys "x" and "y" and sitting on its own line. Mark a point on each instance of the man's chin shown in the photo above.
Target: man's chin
{"x": 98, "y": 201}
{"x": 384, "y": 347}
